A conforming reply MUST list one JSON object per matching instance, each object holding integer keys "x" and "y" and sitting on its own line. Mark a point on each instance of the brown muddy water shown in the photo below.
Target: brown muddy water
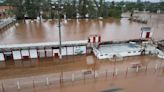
{"x": 72, "y": 29}
{"x": 109, "y": 29}
{"x": 142, "y": 81}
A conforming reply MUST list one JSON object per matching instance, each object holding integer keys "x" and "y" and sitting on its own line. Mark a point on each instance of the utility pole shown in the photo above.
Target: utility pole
{"x": 60, "y": 44}
{"x": 58, "y": 8}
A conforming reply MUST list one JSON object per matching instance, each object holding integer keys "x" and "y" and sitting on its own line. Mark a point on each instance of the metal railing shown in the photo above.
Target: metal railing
{"x": 59, "y": 79}
{"x": 5, "y": 22}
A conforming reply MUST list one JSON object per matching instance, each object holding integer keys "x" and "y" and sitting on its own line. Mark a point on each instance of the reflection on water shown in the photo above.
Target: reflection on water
{"x": 72, "y": 29}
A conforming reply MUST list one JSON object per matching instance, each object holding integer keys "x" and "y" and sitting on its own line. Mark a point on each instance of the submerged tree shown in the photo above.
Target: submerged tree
{"x": 72, "y": 9}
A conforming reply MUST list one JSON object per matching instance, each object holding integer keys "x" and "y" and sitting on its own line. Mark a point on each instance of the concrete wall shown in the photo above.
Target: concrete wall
{"x": 2, "y": 57}
{"x": 44, "y": 52}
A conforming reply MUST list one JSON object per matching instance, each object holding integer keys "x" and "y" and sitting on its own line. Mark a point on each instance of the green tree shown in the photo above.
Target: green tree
{"x": 92, "y": 8}
{"x": 115, "y": 10}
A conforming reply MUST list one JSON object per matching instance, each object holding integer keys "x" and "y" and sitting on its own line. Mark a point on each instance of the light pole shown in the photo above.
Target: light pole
{"x": 58, "y": 8}
{"x": 40, "y": 12}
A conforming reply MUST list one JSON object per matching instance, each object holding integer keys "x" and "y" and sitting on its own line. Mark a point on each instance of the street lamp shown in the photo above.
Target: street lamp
{"x": 41, "y": 12}
{"x": 58, "y": 7}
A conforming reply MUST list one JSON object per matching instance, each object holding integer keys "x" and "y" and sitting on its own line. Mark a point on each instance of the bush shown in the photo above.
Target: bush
{"x": 115, "y": 12}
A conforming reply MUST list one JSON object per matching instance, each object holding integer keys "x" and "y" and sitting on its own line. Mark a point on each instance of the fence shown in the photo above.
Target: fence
{"x": 6, "y": 22}
{"x": 34, "y": 84}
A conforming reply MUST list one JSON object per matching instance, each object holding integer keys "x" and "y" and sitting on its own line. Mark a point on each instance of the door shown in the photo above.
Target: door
{"x": 25, "y": 54}
{"x": 8, "y": 56}
{"x": 148, "y": 35}
{"x": 56, "y": 54}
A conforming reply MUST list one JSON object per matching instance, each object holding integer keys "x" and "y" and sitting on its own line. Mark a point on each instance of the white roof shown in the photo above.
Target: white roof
{"x": 83, "y": 42}
{"x": 116, "y": 48}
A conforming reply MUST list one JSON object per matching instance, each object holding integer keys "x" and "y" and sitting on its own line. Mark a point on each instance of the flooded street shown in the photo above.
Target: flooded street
{"x": 66, "y": 75}
{"x": 72, "y": 29}
{"x": 33, "y": 79}
{"x": 152, "y": 83}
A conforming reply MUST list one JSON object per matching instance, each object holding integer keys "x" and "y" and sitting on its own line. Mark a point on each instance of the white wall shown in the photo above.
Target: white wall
{"x": 97, "y": 39}
{"x": 33, "y": 53}
{"x": 91, "y": 39}
{"x": 151, "y": 34}
{"x": 83, "y": 48}
{"x": 41, "y": 53}
{"x": 79, "y": 50}
{"x": 144, "y": 34}
{"x": 132, "y": 53}
{"x": 63, "y": 51}
{"x": 25, "y": 53}
{"x": 96, "y": 52}
{"x": 49, "y": 52}
{"x": 123, "y": 54}
{"x": 2, "y": 57}
{"x": 70, "y": 50}
{"x": 102, "y": 56}
{"x": 17, "y": 55}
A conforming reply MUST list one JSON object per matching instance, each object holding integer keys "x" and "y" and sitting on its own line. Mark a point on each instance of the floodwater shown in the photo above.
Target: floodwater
{"x": 109, "y": 29}
{"x": 142, "y": 81}
{"x": 72, "y": 29}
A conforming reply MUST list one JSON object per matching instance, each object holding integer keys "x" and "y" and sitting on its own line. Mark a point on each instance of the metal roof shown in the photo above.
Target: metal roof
{"x": 31, "y": 45}
{"x": 146, "y": 29}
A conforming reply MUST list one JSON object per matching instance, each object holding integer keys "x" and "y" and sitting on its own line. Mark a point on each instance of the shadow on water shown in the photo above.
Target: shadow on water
{"x": 114, "y": 90}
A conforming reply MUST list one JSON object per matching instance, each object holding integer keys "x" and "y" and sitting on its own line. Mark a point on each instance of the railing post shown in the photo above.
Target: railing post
{"x": 106, "y": 74}
{"x": 3, "y": 89}
{"x": 156, "y": 67}
{"x": 18, "y": 85}
{"x": 73, "y": 78}
{"x": 95, "y": 75}
{"x": 61, "y": 78}
{"x": 84, "y": 77}
{"x": 137, "y": 69}
{"x": 34, "y": 86}
{"x": 146, "y": 69}
{"x": 113, "y": 73}
{"x": 126, "y": 74}
{"x": 116, "y": 72}
{"x": 47, "y": 81}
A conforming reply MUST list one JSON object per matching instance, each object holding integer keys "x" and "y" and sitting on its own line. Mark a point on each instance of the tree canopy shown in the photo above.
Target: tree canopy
{"x": 78, "y": 8}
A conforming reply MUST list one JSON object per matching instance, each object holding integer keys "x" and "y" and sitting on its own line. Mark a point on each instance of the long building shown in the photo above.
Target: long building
{"x": 41, "y": 50}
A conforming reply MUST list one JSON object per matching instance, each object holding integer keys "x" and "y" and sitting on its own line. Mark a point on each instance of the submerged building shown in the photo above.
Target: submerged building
{"x": 102, "y": 50}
